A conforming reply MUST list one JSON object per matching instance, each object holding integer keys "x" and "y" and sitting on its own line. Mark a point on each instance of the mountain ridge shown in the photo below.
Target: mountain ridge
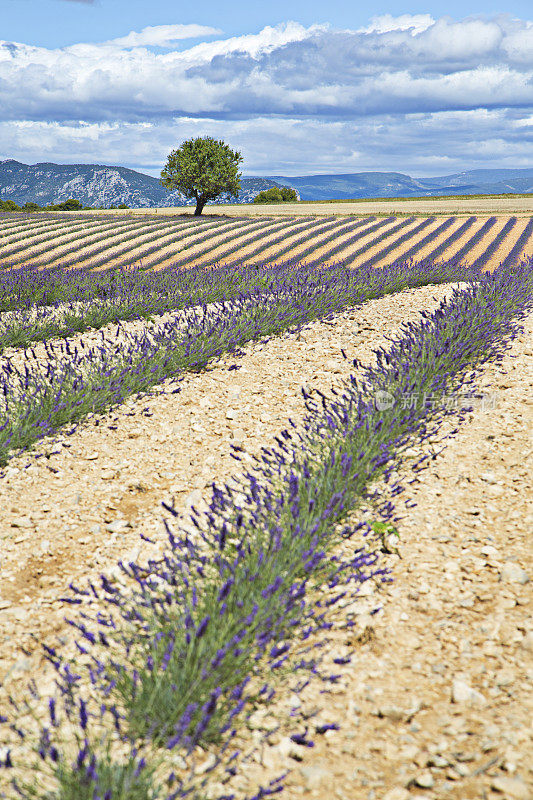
{"x": 48, "y": 183}
{"x": 352, "y": 186}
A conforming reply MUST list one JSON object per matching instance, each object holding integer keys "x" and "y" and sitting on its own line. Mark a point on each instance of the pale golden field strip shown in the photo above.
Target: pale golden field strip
{"x": 519, "y": 205}
{"x": 159, "y": 240}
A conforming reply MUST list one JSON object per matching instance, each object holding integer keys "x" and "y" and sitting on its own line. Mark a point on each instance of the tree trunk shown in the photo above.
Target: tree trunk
{"x": 200, "y": 203}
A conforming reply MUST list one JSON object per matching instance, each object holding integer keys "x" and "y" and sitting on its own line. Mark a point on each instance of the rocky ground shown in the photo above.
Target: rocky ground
{"x": 436, "y": 700}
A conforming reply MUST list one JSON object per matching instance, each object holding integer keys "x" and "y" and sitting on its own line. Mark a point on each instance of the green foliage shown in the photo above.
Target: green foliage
{"x": 388, "y": 537}
{"x": 121, "y": 781}
{"x": 277, "y": 194}
{"x": 67, "y": 205}
{"x": 8, "y": 205}
{"x": 31, "y": 207}
{"x": 203, "y": 169}
{"x": 289, "y": 195}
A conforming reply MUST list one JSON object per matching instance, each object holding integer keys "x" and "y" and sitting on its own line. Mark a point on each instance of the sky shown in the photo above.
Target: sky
{"x": 299, "y": 87}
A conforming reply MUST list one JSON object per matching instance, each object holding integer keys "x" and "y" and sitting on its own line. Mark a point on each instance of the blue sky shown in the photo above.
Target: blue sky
{"x": 299, "y": 86}
{"x": 55, "y": 23}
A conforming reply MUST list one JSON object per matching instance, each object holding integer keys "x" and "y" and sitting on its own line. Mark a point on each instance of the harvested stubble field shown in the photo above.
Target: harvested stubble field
{"x": 103, "y": 240}
{"x": 332, "y": 583}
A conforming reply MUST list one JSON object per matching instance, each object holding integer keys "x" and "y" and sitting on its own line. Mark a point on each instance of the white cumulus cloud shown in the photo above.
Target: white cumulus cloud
{"x": 415, "y": 23}
{"x": 163, "y": 35}
{"x": 338, "y": 99}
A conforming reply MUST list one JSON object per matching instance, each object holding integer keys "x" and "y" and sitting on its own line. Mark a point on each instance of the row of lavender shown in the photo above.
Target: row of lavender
{"x": 393, "y": 237}
{"x": 72, "y": 381}
{"x": 124, "y": 303}
{"x": 146, "y": 239}
{"x": 218, "y": 240}
{"x": 99, "y": 238}
{"x": 173, "y": 663}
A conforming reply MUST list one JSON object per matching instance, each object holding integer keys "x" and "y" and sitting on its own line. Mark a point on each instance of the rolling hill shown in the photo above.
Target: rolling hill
{"x": 397, "y": 184}
{"x": 98, "y": 185}
{"x": 102, "y": 185}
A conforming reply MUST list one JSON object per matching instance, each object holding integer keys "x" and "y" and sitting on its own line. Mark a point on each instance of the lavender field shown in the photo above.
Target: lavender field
{"x": 92, "y": 241}
{"x": 203, "y": 467}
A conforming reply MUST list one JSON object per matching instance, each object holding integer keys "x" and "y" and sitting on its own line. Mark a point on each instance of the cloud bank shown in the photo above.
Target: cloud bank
{"x": 433, "y": 95}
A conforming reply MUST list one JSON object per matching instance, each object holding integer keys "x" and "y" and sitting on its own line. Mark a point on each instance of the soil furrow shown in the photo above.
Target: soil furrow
{"x": 205, "y": 246}
{"x": 161, "y": 246}
{"x": 118, "y": 247}
{"x": 373, "y": 230}
{"x": 370, "y": 248}
{"x": 507, "y": 244}
{"x": 273, "y": 252}
{"x": 472, "y": 253}
{"x": 458, "y": 232}
{"x": 66, "y": 245}
{"x": 117, "y": 252}
{"x": 173, "y": 251}
{"x": 401, "y": 252}
{"x": 35, "y": 246}
{"x": 341, "y": 226}
{"x": 8, "y": 237}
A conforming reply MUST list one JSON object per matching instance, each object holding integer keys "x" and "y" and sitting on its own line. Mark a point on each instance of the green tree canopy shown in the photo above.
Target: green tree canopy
{"x": 202, "y": 169}
{"x": 276, "y": 194}
{"x": 8, "y": 205}
{"x": 67, "y": 205}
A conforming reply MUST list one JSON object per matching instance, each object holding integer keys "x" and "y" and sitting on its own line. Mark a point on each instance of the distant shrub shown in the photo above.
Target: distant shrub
{"x": 277, "y": 194}
{"x": 67, "y": 205}
{"x": 288, "y": 195}
{"x": 31, "y": 207}
{"x": 8, "y": 205}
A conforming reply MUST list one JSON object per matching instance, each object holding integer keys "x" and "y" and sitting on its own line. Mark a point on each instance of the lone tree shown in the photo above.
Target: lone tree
{"x": 202, "y": 169}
